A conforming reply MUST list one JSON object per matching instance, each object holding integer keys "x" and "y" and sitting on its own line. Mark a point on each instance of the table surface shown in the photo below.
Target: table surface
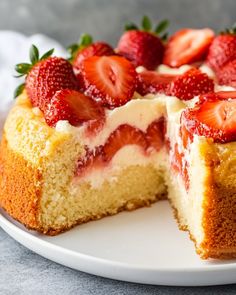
{"x": 22, "y": 271}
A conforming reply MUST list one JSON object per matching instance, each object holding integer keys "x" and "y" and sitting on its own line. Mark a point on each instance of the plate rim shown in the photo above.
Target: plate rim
{"x": 6, "y": 224}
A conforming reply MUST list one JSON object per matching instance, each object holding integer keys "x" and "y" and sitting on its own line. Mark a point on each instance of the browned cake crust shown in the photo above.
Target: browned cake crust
{"x": 219, "y": 219}
{"x": 19, "y": 187}
{"x": 20, "y": 193}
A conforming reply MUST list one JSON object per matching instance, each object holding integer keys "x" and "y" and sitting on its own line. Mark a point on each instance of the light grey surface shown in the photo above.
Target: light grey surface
{"x": 21, "y": 271}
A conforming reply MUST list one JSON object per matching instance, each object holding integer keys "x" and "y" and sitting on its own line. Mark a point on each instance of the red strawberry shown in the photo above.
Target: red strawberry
{"x": 221, "y": 51}
{"x": 212, "y": 119}
{"x": 227, "y": 74}
{"x": 92, "y": 158}
{"x": 98, "y": 49}
{"x": 143, "y": 47}
{"x": 187, "y": 46}
{"x": 153, "y": 82}
{"x": 45, "y": 76}
{"x": 155, "y": 134}
{"x": 73, "y": 106}
{"x": 220, "y": 95}
{"x": 123, "y": 135}
{"x": 110, "y": 79}
{"x": 86, "y": 48}
{"x": 190, "y": 84}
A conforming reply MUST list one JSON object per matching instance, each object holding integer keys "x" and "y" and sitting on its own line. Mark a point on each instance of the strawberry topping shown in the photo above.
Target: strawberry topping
{"x": 221, "y": 51}
{"x": 72, "y": 106}
{"x": 187, "y": 46}
{"x": 190, "y": 84}
{"x": 109, "y": 79}
{"x": 213, "y": 119}
{"x": 153, "y": 82}
{"x": 227, "y": 74}
{"x": 143, "y": 47}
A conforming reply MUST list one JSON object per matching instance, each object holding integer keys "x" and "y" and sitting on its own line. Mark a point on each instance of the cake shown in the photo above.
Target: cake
{"x": 112, "y": 130}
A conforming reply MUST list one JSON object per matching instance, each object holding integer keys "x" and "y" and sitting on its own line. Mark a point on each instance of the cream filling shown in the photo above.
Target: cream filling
{"x": 129, "y": 155}
{"x": 139, "y": 113}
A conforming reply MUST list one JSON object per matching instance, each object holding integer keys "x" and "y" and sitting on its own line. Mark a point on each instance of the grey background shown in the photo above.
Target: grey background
{"x": 21, "y": 271}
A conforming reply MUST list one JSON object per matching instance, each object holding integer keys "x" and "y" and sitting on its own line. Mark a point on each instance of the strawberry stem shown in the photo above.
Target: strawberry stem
{"x": 19, "y": 90}
{"x": 146, "y": 24}
{"x": 34, "y": 54}
{"x": 84, "y": 41}
{"x": 162, "y": 26}
{"x": 131, "y": 26}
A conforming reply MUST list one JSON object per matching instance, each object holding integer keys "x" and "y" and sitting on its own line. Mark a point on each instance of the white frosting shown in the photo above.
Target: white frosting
{"x": 163, "y": 69}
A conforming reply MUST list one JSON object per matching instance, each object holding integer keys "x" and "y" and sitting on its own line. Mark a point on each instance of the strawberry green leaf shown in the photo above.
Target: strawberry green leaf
{"x": 19, "y": 90}
{"x": 162, "y": 26}
{"x": 47, "y": 54}
{"x": 85, "y": 40}
{"x": 23, "y": 68}
{"x": 146, "y": 23}
{"x": 131, "y": 26}
{"x": 164, "y": 37}
{"x": 34, "y": 54}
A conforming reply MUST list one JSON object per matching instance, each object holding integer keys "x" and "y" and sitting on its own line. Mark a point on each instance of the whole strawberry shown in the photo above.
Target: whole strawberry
{"x": 222, "y": 49}
{"x": 143, "y": 47}
{"x": 227, "y": 74}
{"x": 86, "y": 48}
{"x": 45, "y": 76}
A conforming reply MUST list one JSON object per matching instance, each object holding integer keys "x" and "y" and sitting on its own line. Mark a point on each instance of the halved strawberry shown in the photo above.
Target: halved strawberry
{"x": 86, "y": 48}
{"x": 123, "y": 135}
{"x": 92, "y": 158}
{"x": 190, "y": 84}
{"x": 143, "y": 47}
{"x": 109, "y": 79}
{"x": 220, "y": 95}
{"x": 153, "y": 82}
{"x": 213, "y": 119}
{"x": 45, "y": 76}
{"x": 227, "y": 74}
{"x": 187, "y": 46}
{"x": 72, "y": 106}
{"x": 222, "y": 50}
{"x": 155, "y": 134}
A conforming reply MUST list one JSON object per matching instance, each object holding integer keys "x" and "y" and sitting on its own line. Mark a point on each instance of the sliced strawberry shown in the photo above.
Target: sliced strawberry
{"x": 187, "y": 46}
{"x": 110, "y": 79}
{"x": 123, "y": 135}
{"x": 220, "y": 95}
{"x": 155, "y": 134}
{"x": 95, "y": 49}
{"x": 180, "y": 165}
{"x": 212, "y": 119}
{"x": 73, "y": 106}
{"x": 92, "y": 158}
{"x": 190, "y": 84}
{"x": 153, "y": 82}
{"x": 227, "y": 74}
{"x": 221, "y": 51}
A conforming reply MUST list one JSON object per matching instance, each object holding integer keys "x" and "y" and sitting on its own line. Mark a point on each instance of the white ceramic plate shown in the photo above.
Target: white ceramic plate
{"x": 143, "y": 246}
